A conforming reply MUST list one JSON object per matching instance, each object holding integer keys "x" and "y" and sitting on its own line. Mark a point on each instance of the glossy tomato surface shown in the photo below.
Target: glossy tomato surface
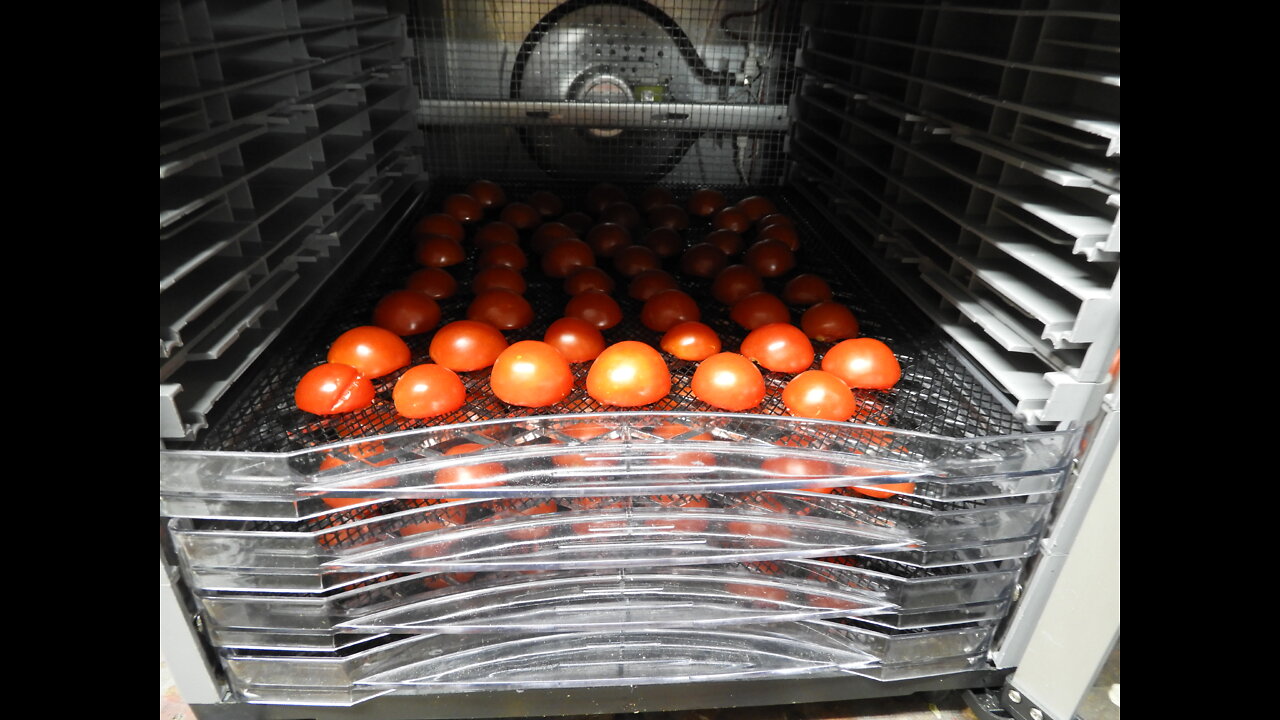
{"x": 807, "y": 289}
{"x": 703, "y": 260}
{"x": 507, "y": 255}
{"x": 587, "y": 278}
{"x": 770, "y": 258}
{"x": 731, "y": 218}
{"x": 464, "y": 207}
{"x": 407, "y": 312}
{"x": 649, "y": 283}
{"x": 756, "y": 207}
{"x": 565, "y": 256}
{"x": 629, "y": 374}
{"x": 691, "y": 340}
{"x": 705, "y": 202}
{"x": 549, "y": 234}
{"x": 521, "y": 216}
{"x": 547, "y": 203}
{"x": 663, "y": 241}
{"x": 635, "y": 259}
{"x": 606, "y": 239}
{"x": 372, "y": 350}
{"x": 531, "y": 373}
{"x": 488, "y": 193}
{"x": 499, "y": 277}
{"x": 576, "y": 339}
{"x": 466, "y": 345}
{"x": 829, "y": 322}
{"x": 728, "y": 381}
{"x": 865, "y": 363}
{"x": 503, "y": 309}
{"x": 820, "y": 395}
{"x": 332, "y": 388}
{"x": 495, "y": 233}
{"x": 780, "y": 347}
{"x": 729, "y": 242}
{"x": 440, "y": 224}
{"x": 427, "y": 391}
{"x": 470, "y": 475}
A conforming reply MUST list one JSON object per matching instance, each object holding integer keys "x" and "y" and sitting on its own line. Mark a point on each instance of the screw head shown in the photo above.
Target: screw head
{"x": 1036, "y": 714}
{"x": 1015, "y": 696}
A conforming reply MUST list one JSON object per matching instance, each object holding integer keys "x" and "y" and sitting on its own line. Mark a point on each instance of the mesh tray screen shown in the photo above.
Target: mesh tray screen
{"x": 938, "y": 393}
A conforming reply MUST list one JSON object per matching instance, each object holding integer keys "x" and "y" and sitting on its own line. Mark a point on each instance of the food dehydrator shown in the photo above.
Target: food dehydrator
{"x": 951, "y": 170}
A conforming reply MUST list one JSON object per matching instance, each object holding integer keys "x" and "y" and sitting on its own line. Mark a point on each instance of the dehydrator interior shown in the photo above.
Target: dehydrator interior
{"x": 952, "y": 171}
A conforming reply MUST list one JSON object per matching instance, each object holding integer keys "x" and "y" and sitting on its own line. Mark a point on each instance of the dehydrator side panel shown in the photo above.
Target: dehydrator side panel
{"x": 287, "y": 134}
{"x": 973, "y": 153}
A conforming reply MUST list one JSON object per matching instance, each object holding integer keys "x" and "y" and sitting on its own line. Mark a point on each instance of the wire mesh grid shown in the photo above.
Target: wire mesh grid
{"x": 938, "y": 393}
{"x": 606, "y": 90}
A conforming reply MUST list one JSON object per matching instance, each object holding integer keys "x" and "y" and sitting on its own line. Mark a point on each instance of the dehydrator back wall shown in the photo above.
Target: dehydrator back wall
{"x": 682, "y": 92}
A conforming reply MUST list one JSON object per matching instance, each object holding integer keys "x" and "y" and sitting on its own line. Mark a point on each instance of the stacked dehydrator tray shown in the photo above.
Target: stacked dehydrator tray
{"x": 952, "y": 171}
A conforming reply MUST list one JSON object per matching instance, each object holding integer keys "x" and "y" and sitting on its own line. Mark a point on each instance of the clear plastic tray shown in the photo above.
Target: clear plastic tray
{"x": 530, "y": 534}
{"x": 558, "y": 601}
{"x": 915, "y": 588}
{"x": 613, "y": 455}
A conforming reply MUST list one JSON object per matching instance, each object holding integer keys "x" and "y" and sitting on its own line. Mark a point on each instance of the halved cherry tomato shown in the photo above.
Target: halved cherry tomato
{"x": 531, "y": 373}
{"x": 773, "y": 219}
{"x": 785, "y": 233}
{"x": 466, "y": 345}
{"x": 731, "y": 218}
{"x": 495, "y": 233}
{"x": 622, "y": 213}
{"x": 508, "y": 255}
{"x": 671, "y": 217}
{"x": 635, "y": 259}
{"x": 436, "y": 282}
{"x": 628, "y": 374}
{"x": 807, "y": 289}
{"x": 471, "y": 475}
{"x": 588, "y": 278}
{"x": 759, "y": 308}
{"x": 668, "y": 308}
{"x": 649, "y": 283}
{"x": 820, "y": 395}
{"x": 498, "y": 277}
{"x": 607, "y": 238}
{"x": 576, "y": 339}
{"x": 756, "y": 207}
{"x": 691, "y": 340}
{"x": 566, "y": 256}
{"x": 800, "y": 467}
{"x": 863, "y": 363}
{"x": 407, "y": 312}
{"x": 332, "y": 388}
{"x": 438, "y": 251}
{"x": 547, "y": 203}
{"x": 464, "y": 207}
{"x": 372, "y": 350}
{"x": 829, "y": 321}
{"x": 549, "y": 234}
{"x": 427, "y": 391}
{"x": 595, "y": 307}
{"x": 501, "y": 308}
{"x": 770, "y": 258}
{"x": 728, "y": 381}
{"x": 729, "y": 242}
{"x": 440, "y": 224}
{"x": 734, "y": 283}
{"x": 663, "y": 241}
{"x": 602, "y": 195}
{"x": 363, "y": 453}
{"x": 520, "y": 215}
{"x": 780, "y": 347}
{"x": 488, "y": 193}
{"x": 703, "y": 260}
{"x": 705, "y": 202}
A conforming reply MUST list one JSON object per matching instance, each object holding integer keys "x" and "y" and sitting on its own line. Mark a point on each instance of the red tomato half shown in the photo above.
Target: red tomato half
{"x": 863, "y": 363}
{"x": 406, "y": 312}
{"x": 333, "y": 388}
{"x": 691, "y": 340}
{"x": 576, "y": 339}
{"x": 780, "y": 347}
{"x": 372, "y": 350}
{"x": 820, "y": 395}
{"x": 829, "y": 322}
{"x": 531, "y": 373}
{"x": 467, "y": 345}
{"x": 728, "y": 381}
{"x": 628, "y": 374}
{"x": 427, "y": 391}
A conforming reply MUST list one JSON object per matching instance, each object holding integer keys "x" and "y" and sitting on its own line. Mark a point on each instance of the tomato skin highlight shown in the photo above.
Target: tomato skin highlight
{"x": 728, "y": 381}
{"x": 333, "y": 388}
{"x": 666, "y": 309}
{"x": 428, "y": 391}
{"x": 780, "y": 347}
{"x": 531, "y": 373}
{"x": 865, "y": 363}
{"x": 436, "y": 282}
{"x": 829, "y": 322}
{"x": 759, "y": 308}
{"x": 503, "y": 309}
{"x": 628, "y": 374}
{"x": 372, "y": 350}
{"x": 819, "y": 395}
{"x": 466, "y": 345}
{"x": 595, "y": 307}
